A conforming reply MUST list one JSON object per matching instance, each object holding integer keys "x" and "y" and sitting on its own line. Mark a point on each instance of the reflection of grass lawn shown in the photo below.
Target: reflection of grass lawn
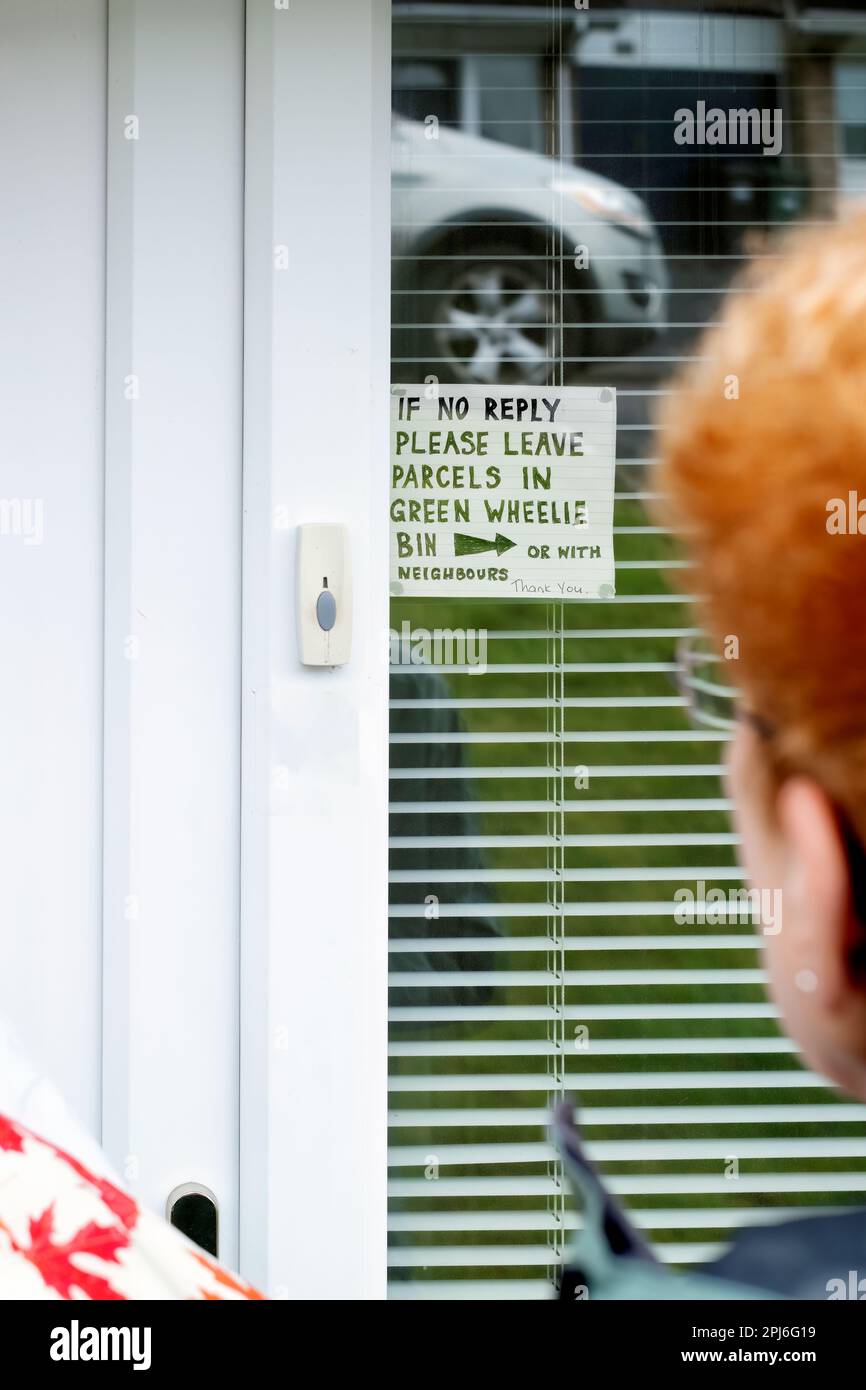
{"x": 646, "y": 639}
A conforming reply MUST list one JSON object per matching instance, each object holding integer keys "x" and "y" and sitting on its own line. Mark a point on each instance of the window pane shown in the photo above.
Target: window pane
{"x": 425, "y": 87}
{"x": 510, "y": 94}
{"x": 549, "y": 801}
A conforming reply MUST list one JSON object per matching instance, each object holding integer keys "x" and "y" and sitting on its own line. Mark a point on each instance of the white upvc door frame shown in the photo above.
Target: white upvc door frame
{"x": 52, "y": 166}
{"x": 173, "y": 440}
{"x": 314, "y": 745}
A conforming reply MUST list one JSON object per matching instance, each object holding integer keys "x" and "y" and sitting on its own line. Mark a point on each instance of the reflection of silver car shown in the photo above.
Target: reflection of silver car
{"x": 505, "y": 261}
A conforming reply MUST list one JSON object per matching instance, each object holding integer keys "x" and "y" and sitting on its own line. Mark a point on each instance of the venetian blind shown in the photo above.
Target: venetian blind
{"x": 546, "y": 810}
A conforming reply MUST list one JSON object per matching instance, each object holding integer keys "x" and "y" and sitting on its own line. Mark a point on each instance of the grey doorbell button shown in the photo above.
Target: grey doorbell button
{"x": 326, "y": 610}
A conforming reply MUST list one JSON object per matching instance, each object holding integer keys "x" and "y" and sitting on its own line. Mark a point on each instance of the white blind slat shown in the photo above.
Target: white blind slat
{"x": 498, "y": 1256}
{"x": 648, "y": 1185}
{"x": 744, "y": 941}
{"x": 601, "y": 1047}
{"x": 629, "y": 1150}
{"x": 711, "y": 1113}
{"x": 648, "y": 1219}
{"x": 587, "y": 1082}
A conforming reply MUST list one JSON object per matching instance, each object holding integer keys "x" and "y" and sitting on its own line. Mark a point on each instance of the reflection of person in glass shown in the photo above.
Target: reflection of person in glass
{"x": 422, "y": 820}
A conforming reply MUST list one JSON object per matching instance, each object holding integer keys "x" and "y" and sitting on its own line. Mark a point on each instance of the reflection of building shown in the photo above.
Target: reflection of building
{"x": 849, "y": 109}
{"x": 600, "y": 85}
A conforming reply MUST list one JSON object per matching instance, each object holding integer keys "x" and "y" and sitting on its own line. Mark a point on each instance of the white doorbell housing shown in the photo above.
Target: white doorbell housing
{"x": 324, "y": 594}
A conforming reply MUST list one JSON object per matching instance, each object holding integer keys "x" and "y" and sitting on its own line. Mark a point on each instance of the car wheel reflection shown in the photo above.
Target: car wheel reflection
{"x": 494, "y": 321}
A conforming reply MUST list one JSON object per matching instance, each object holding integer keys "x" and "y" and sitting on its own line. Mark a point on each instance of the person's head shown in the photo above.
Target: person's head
{"x": 764, "y": 463}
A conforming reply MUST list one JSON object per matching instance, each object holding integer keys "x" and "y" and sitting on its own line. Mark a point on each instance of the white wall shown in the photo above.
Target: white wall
{"x": 647, "y": 38}
{"x": 52, "y": 171}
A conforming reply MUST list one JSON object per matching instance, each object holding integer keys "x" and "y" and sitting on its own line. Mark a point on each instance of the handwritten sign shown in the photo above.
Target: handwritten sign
{"x": 502, "y": 492}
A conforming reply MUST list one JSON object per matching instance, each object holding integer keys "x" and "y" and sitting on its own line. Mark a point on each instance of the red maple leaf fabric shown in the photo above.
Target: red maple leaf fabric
{"x": 68, "y": 1233}
{"x": 119, "y": 1203}
{"x": 11, "y": 1137}
{"x": 54, "y": 1258}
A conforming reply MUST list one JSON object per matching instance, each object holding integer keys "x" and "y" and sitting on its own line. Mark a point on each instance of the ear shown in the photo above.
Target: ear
{"x": 813, "y": 963}
{"x": 816, "y": 896}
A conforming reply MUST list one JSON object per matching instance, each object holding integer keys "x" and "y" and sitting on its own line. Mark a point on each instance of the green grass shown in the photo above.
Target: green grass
{"x": 568, "y": 748}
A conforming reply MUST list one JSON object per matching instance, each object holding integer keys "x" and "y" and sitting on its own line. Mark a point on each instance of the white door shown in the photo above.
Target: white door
{"x": 122, "y": 156}
{"x": 193, "y": 824}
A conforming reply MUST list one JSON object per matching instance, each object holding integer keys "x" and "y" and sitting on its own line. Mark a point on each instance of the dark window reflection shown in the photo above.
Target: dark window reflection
{"x": 425, "y": 87}
{"x": 429, "y": 825}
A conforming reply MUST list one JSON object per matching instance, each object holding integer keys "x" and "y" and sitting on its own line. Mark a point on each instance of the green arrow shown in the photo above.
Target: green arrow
{"x": 474, "y": 545}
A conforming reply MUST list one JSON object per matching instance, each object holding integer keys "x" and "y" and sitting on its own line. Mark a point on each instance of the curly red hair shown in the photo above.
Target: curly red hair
{"x": 758, "y": 443}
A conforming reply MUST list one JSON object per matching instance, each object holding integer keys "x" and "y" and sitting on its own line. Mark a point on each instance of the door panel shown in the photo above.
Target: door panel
{"x": 52, "y": 162}
{"x": 172, "y": 625}
{"x": 315, "y": 739}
